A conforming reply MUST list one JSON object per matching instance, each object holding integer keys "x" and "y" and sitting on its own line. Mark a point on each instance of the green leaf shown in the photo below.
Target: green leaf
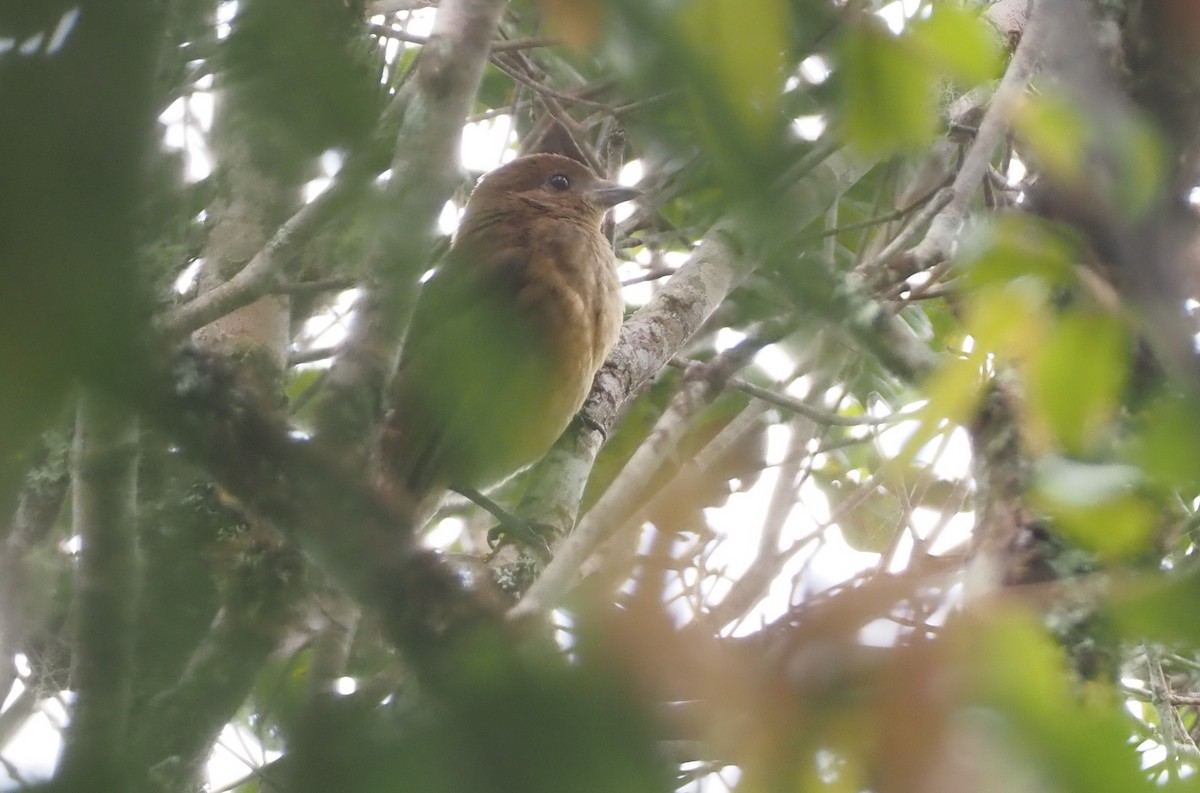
{"x": 1141, "y": 163}
{"x": 959, "y": 44}
{"x": 939, "y": 493}
{"x": 1096, "y": 505}
{"x": 1076, "y": 378}
{"x": 303, "y": 86}
{"x": 1013, "y": 247}
{"x": 742, "y": 42}
{"x": 1073, "y": 483}
{"x": 1020, "y": 674}
{"x": 1014, "y": 664}
{"x": 1158, "y": 609}
{"x": 871, "y": 524}
{"x": 1125, "y": 158}
{"x": 1058, "y": 134}
{"x": 891, "y": 82}
{"x": 1011, "y": 319}
{"x": 1168, "y": 445}
{"x": 888, "y": 93}
{"x": 301, "y": 380}
{"x": 954, "y": 391}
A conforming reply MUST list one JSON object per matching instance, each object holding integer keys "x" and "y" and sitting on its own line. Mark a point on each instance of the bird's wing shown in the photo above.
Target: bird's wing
{"x": 464, "y": 280}
{"x": 469, "y": 360}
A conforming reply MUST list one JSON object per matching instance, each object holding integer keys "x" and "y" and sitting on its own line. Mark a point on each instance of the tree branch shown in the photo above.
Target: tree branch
{"x": 749, "y": 588}
{"x": 104, "y": 486}
{"x": 363, "y": 538}
{"x": 185, "y": 720}
{"x": 499, "y": 45}
{"x": 630, "y": 490}
{"x": 951, "y": 207}
{"x": 802, "y": 408}
{"x": 1150, "y": 243}
{"x": 265, "y": 272}
{"x": 425, "y": 172}
{"x": 25, "y": 603}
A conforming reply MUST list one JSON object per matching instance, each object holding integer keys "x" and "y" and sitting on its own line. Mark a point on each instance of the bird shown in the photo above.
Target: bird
{"x": 507, "y": 333}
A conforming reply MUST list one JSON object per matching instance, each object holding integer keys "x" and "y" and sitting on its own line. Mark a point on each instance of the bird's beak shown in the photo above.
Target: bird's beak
{"x": 609, "y": 194}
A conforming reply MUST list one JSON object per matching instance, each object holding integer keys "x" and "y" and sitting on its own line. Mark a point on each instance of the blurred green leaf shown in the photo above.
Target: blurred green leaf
{"x": 888, "y": 100}
{"x": 1014, "y": 246}
{"x": 1141, "y": 163}
{"x": 1084, "y": 484}
{"x": 301, "y": 78}
{"x": 1159, "y": 609}
{"x": 1033, "y": 687}
{"x": 1127, "y": 155}
{"x": 1167, "y": 446}
{"x": 545, "y": 725}
{"x": 301, "y": 380}
{"x": 1014, "y": 667}
{"x": 1096, "y": 505}
{"x": 892, "y": 81}
{"x": 743, "y": 43}
{"x": 1057, "y": 134}
{"x": 1076, "y": 378}
{"x": 872, "y": 519}
{"x": 954, "y": 391}
{"x": 959, "y": 43}
{"x": 943, "y": 494}
{"x": 1009, "y": 319}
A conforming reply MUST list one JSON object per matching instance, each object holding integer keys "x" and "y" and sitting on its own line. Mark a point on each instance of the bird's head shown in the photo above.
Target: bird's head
{"x": 547, "y": 185}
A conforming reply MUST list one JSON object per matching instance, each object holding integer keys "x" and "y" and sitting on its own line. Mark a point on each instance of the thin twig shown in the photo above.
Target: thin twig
{"x": 500, "y": 45}
{"x": 264, "y": 272}
{"x": 333, "y": 284}
{"x": 311, "y": 355}
{"x": 944, "y": 225}
{"x": 800, "y": 407}
{"x": 888, "y": 217}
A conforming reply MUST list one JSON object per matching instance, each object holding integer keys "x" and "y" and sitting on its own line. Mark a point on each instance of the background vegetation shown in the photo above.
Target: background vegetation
{"x": 901, "y": 477}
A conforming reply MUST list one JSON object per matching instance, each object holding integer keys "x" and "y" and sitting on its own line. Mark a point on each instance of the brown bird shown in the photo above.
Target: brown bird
{"x": 508, "y": 332}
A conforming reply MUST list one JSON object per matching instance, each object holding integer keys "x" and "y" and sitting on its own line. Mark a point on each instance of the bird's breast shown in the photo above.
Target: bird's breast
{"x": 572, "y": 290}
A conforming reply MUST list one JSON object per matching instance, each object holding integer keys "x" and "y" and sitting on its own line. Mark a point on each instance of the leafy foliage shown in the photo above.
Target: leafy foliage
{"x": 915, "y": 508}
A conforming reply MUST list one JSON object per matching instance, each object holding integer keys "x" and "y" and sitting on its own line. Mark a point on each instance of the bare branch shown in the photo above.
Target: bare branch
{"x": 802, "y": 408}
{"x": 265, "y": 272}
{"x": 951, "y": 207}
{"x": 500, "y": 45}
{"x": 769, "y": 562}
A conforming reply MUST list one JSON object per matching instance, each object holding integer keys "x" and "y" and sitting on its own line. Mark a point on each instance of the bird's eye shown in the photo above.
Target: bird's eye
{"x": 559, "y": 182}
